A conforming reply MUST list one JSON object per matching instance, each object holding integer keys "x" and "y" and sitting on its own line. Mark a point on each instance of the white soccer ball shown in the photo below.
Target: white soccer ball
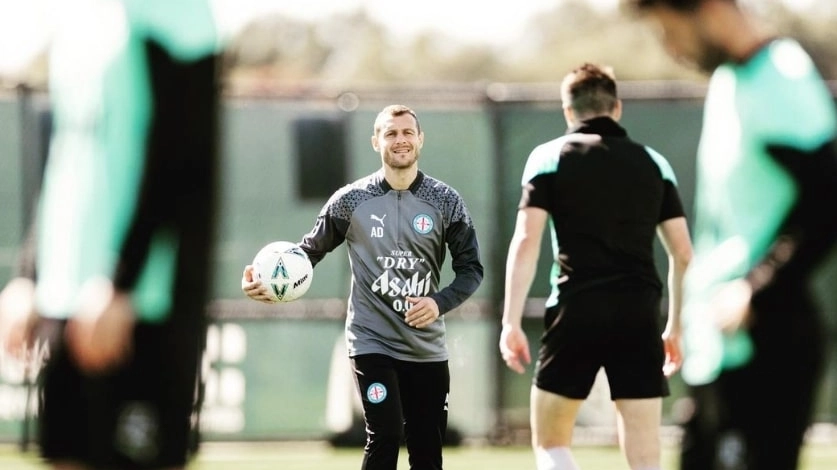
{"x": 284, "y": 269}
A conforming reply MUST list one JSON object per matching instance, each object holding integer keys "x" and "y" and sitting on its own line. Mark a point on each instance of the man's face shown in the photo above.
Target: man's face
{"x": 399, "y": 141}
{"x": 687, "y": 37}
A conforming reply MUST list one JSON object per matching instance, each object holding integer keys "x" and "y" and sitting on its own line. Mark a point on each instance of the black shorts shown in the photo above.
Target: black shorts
{"x": 615, "y": 327}
{"x": 137, "y": 417}
{"x": 729, "y": 425}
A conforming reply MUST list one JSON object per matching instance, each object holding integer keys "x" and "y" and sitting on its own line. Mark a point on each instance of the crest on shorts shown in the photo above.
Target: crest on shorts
{"x": 376, "y": 393}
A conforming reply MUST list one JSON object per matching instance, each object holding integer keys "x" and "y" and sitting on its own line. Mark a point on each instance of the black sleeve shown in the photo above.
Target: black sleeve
{"x": 671, "y": 207}
{"x": 538, "y": 192}
{"x": 179, "y": 188}
{"x": 465, "y": 261}
{"x": 328, "y": 233}
{"x": 809, "y": 232}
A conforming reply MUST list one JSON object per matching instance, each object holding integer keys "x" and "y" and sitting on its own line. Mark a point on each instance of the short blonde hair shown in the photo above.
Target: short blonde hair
{"x": 393, "y": 110}
{"x": 589, "y": 90}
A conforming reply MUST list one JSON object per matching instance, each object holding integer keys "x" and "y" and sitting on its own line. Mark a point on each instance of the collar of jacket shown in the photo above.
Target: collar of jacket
{"x": 413, "y": 186}
{"x": 601, "y": 125}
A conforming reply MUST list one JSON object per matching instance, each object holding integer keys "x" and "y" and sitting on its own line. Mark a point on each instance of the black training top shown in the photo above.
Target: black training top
{"x": 605, "y": 195}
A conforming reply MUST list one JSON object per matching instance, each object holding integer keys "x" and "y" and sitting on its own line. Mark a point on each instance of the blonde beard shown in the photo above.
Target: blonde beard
{"x": 400, "y": 164}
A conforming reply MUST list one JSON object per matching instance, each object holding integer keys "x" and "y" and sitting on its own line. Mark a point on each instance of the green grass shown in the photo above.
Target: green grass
{"x": 318, "y": 456}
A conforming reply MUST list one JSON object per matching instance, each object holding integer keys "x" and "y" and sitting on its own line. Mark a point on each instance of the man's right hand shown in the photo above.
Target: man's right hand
{"x": 17, "y": 316}
{"x": 514, "y": 347}
{"x": 255, "y": 289}
{"x": 100, "y": 335}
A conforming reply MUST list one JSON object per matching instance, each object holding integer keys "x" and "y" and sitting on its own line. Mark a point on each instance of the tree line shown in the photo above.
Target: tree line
{"x": 353, "y": 48}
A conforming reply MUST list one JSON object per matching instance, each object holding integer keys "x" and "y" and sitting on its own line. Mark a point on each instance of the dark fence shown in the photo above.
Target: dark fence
{"x": 278, "y": 372}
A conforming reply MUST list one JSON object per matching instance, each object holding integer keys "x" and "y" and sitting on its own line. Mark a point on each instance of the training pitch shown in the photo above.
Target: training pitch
{"x": 320, "y": 456}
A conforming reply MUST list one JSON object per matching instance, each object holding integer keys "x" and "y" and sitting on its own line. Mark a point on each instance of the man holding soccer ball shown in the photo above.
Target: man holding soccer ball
{"x": 764, "y": 220}
{"x": 396, "y": 223}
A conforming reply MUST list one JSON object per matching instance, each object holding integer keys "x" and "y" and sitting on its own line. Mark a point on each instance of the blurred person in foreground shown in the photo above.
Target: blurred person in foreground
{"x": 116, "y": 283}
{"x": 398, "y": 223}
{"x": 603, "y": 197}
{"x": 764, "y": 220}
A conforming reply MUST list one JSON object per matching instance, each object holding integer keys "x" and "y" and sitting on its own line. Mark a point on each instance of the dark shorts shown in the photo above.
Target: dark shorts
{"x": 614, "y": 327}
{"x": 138, "y": 417}
{"x": 756, "y": 416}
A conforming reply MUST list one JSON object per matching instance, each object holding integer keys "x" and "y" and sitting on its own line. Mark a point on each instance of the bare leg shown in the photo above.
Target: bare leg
{"x": 552, "y": 420}
{"x": 639, "y": 432}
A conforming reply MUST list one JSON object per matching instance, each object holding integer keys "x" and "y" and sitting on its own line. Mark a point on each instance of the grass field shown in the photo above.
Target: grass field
{"x": 319, "y": 456}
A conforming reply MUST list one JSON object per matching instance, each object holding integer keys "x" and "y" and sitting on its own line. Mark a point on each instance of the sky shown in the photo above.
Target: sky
{"x": 468, "y": 20}
{"x": 24, "y": 24}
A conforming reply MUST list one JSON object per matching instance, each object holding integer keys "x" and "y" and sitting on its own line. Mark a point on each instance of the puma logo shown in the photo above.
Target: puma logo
{"x": 378, "y": 219}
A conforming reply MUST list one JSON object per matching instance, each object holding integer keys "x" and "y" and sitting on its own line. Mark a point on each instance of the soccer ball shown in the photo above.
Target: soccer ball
{"x": 285, "y": 269}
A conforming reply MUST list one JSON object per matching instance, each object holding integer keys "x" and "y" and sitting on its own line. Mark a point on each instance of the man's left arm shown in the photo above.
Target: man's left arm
{"x": 466, "y": 264}
{"x": 809, "y": 232}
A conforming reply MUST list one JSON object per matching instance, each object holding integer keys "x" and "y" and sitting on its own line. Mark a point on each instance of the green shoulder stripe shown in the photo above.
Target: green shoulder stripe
{"x": 803, "y": 113}
{"x": 543, "y": 159}
{"x": 187, "y": 29}
{"x": 662, "y": 164}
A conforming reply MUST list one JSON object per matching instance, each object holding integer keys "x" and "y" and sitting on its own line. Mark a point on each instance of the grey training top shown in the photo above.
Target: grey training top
{"x": 396, "y": 242}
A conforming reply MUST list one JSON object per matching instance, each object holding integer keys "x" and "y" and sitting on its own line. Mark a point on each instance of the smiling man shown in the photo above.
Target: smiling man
{"x": 396, "y": 223}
